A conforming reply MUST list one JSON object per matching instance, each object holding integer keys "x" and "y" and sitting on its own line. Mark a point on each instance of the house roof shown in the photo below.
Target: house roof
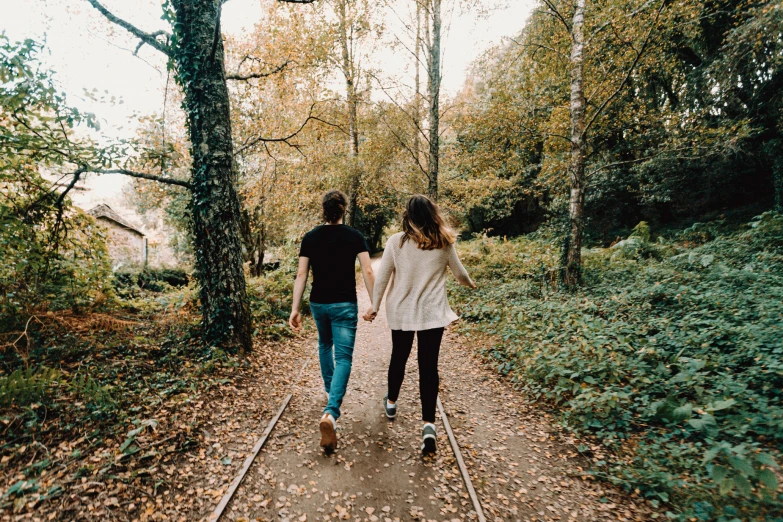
{"x": 105, "y": 211}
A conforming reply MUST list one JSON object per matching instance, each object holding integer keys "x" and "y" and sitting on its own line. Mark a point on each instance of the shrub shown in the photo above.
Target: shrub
{"x": 129, "y": 283}
{"x": 270, "y": 303}
{"x": 674, "y": 361}
{"x": 40, "y": 273}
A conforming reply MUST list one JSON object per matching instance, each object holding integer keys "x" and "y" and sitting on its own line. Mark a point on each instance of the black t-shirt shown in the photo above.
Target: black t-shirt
{"x": 332, "y": 250}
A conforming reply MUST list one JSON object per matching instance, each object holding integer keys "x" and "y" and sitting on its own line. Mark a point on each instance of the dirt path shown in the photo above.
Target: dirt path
{"x": 520, "y": 467}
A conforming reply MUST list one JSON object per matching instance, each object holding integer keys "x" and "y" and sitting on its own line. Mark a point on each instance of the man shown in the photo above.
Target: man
{"x": 331, "y": 250}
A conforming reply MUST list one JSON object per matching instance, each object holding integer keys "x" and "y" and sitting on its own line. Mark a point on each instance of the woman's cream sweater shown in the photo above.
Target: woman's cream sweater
{"x": 417, "y": 291}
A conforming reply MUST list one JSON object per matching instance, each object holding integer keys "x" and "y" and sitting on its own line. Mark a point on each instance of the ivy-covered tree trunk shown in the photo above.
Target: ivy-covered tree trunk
{"x": 775, "y": 150}
{"x": 197, "y": 51}
{"x": 576, "y": 170}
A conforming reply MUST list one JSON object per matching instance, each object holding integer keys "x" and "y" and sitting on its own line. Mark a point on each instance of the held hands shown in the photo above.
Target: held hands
{"x": 369, "y": 315}
{"x": 295, "y": 321}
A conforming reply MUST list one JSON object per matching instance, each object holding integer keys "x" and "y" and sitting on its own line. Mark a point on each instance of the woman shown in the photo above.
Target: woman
{"x": 331, "y": 250}
{"x": 417, "y": 257}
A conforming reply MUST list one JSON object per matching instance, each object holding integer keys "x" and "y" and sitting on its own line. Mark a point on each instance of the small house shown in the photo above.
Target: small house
{"x": 127, "y": 244}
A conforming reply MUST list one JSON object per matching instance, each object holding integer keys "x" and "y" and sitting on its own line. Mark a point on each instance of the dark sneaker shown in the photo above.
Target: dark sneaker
{"x": 390, "y": 409}
{"x": 428, "y": 445}
{"x": 328, "y": 433}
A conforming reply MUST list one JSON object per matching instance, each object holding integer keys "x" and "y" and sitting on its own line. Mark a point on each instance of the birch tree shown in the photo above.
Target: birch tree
{"x": 432, "y": 43}
{"x": 610, "y": 80}
{"x": 421, "y": 37}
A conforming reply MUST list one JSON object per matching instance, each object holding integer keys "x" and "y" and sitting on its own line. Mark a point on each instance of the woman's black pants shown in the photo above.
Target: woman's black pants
{"x": 429, "y": 347}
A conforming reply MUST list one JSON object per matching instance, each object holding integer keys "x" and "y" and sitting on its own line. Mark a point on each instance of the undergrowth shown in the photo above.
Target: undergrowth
{"x": 671, "y": 355}
{"x": 80, "y": 378}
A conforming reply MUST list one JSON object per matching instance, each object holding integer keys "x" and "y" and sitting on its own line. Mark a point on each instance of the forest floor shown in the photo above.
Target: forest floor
{"x": 522, "y": 466}
{"x": 180, "y": 465}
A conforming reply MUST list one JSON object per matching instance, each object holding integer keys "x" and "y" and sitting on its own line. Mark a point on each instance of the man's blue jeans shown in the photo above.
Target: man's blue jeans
{"x": 336, "y": 324}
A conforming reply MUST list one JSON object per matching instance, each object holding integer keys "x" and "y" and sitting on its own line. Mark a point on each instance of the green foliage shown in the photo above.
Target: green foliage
{"x": 91, "y": 392}
{"x": 673, "y": 360}
{"x": 130, "y": 283}
{"x": 52, "y": 256}
{"x": 678, "y": 142}
{"x": 36, "y": 275}
{"x": 24, "y": 387}
{"x": 270, "y": 302}
{"x": 642, "y": 231}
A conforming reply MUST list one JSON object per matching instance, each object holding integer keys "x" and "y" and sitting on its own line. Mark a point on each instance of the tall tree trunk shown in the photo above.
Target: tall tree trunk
{"x": 434, "y": 116}
{"x": 253, "y": 240}
{"x": 349, "y": 72}
{"x": 776, "y": 150}
{"x": 576, "y": 170}
{"x": 417, "y": 88}
{"x": 198, "y": 54}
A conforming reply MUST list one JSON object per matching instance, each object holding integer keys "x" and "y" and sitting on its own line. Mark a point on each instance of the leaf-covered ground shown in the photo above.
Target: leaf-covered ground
{"x": 125, "y": 414}
{"x": 172, "y": 455}
{"x": 521, "y": 465}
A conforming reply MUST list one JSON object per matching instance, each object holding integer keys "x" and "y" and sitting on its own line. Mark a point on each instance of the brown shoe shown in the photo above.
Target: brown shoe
{"x": 328, "y": 434}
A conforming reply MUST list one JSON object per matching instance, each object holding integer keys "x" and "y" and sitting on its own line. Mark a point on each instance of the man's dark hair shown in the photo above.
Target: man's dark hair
{"x": 334, "y": 203}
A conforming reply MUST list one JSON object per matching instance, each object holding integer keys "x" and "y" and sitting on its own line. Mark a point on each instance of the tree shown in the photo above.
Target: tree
{"x": 52, "y": 255}
{"x": 195, "y": 51}
{"x": 432, "y": 8}
{"x": 613, "y": 78}
{"x": 353, "y": 26}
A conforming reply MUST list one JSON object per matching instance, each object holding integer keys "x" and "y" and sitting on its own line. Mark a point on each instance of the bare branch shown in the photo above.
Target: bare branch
{"x": 58, "y": 222}
{"x": 249, "y": 76}
{"x": 630, "y": 71}
{"x": 556, "y": 13}
{"x": 61, "y": 198}
{"x": 142, "y": 175}
{"x": 406, "y": 147}
{"x": 401, "y": 108}
{"x": 287, "y": 139}
{"x": 664, "y": 152}
{"x": 147, "y": 38}
{"x": 535, "y": 45}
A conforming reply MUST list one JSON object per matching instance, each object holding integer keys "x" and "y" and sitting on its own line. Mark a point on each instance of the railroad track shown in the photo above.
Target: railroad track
{"x": 259, "y": 445}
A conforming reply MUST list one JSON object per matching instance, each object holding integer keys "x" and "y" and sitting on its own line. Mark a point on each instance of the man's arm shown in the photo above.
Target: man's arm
{"x": 295, "y": 321}
{"x": 367, "y": 273}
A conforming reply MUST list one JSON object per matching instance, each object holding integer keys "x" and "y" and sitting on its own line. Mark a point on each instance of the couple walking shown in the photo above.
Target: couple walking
{"x": 413, "y": 267}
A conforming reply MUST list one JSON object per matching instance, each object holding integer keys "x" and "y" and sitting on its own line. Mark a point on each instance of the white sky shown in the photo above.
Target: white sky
{"x": 88, "y": 53}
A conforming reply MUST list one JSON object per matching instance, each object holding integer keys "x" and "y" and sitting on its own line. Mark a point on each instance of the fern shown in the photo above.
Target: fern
{"x": 27, "y": 386}
{"x": 92, "y": 393}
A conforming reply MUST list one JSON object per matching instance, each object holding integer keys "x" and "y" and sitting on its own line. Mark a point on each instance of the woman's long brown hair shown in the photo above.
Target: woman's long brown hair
{"x": 424, "y": 224}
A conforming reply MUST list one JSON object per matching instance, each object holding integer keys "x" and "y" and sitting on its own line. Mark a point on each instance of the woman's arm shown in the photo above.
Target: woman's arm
{"x": 295, "y": 321}
{"x": 458, "y": 270}
{"x": 385, "y": 272}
